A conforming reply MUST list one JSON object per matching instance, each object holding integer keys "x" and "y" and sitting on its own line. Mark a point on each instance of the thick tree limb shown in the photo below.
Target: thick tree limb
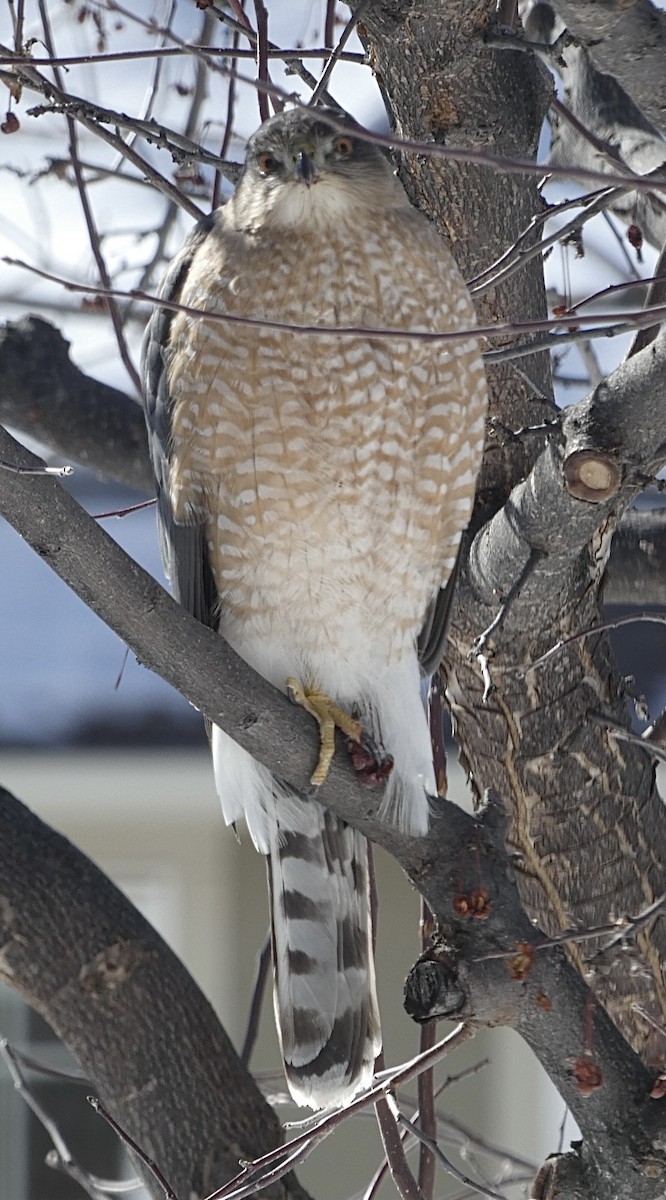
{"x": 599, "y": 126}
{"x": 44, "y": 395}
{"x": 117, "y": 996}
{"x": 628, "y": 41}
{"x": 621, "y": 424}
{"x": 568, "y": 789}
{"x": 636, "y": 571}
{"x": 586, "y": 825}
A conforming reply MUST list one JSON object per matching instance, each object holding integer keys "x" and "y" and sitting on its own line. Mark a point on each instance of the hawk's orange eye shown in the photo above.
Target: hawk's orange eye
{"x": 267, "y": 164}
{"x": 344, "y": 147}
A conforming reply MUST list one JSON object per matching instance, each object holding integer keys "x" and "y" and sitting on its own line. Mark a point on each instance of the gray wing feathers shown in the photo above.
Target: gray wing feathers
{"x": 432, "y": 638}
{"x": 183, "y": 546}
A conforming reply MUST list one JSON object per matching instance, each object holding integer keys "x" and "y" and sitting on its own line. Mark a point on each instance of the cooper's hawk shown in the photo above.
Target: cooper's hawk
{"x": 313, "y": 488}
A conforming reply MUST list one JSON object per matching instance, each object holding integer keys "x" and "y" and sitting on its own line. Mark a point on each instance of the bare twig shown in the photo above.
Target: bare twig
{"x": 618, "y": 322}
{"x": 334, "y": 58}
{"x": 228, "y": 125}
{"x": 549, "y": 212}
{"x": 426, "y": 1080}
{"x": 514, "y": 259}
{"x": 124, "y": 512}
{"x": 477, "y": 651}
{"x": 392, "y": 1141}
{"x": 32, "y": 1064}
{"x": 75, "y": 60}
{"x": 291, "y": 59}
{"x": 601, "y": 627}
{"x": 446, "y": 1162}
{"x": 619, "y": 929}
{"x": 91, "y": 226}
{"x": 611, "y": 290}
{"x": 387, "y": 1119}
{"x": 263, "y": 966}
{"x": 278, "y": 1162}
{"x": 60, "y": 1158}
{"x": 628, "y": 735}
{"x": 261, "y": 42}
{"x": 134, "y": 1147}
{"x": 90, "y": 116}
{"x": 59, "y": 472}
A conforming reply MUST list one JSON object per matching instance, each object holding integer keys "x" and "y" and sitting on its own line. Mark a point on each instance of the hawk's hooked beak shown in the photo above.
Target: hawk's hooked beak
{"x": 305, "y": 170}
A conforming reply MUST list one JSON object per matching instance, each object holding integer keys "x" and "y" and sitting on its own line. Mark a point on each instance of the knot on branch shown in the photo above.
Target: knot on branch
{"x": 111, "y": 968}
{"x": 561, "y": 1175}
{"x": 592, "y": 475}
{"x": 433, "y": 987}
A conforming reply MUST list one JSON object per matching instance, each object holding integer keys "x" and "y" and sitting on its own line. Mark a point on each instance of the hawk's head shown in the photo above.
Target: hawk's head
{"x": 300, "y": 169}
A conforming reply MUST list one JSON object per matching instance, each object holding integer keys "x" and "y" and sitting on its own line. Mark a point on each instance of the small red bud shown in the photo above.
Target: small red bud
{"x": 11, "y": 123}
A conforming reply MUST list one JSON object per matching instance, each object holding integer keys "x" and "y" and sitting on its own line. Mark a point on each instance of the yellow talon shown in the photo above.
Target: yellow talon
{"x": 327, "y": 714}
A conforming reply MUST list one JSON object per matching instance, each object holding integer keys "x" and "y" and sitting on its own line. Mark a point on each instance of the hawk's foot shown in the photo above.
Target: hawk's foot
{"x": 327, "y": 714}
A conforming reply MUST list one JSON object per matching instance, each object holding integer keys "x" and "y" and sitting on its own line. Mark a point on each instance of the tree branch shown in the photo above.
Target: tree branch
{"x": 45, "y": 396}
{"x": 628, "y": 41}
{"x": 117, "y": 996}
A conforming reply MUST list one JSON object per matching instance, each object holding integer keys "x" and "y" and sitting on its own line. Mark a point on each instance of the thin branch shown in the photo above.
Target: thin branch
{"x": 124, "y": 512}
{"x": 60, "y": 1158}
{"x": 291, "y": 59}
{"x": 59, "y": 472}
{"x": 611, "y": 290}
{"x": 387, "y": 1119}
{"x": 228, "y": 126}
{"x": 392, "y": 1141}
{"x": 191, "y": 126}
{"x": 263, "y": 967}
{"x": 618, "y": 322}
{"x": 153, "y": 86}
{"x": 134, "y": 1147}
{"x": 485, "y": 158}
{"x": 628, "y": 735}
{"x": 446, "y": 1162}
{"x": 32, "y": 1064}
{"x": 553, "y": 341}
{"x": 91, "y": 226}
{"x": 76, "y": 60}
{"x": 289, "y": 1155}
{"x": 620, "y": 929}
{"x": 426, "y": 1080}
{"x": 335, "y": 57}
{"x": 81, "y": 110}
{"x": 601, "y": 627}
{"x": 550, "y": 211}
{"x": 181, "y": 148}
{"x": 597, "y": 202}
